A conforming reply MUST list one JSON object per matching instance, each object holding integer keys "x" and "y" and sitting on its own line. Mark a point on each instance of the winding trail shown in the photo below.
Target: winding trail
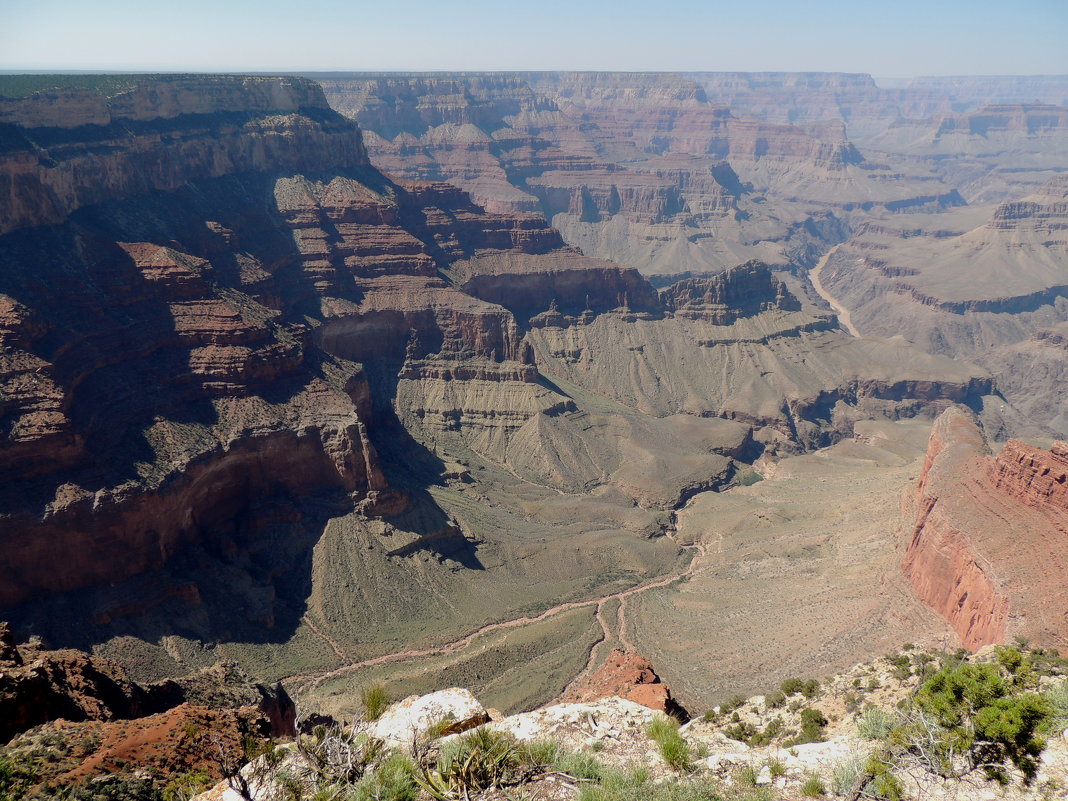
{"x": 843, "y": 313}
{"x": 309, "y": 680}
{"x": 329, "y": 640}
{"x": 591, "y": 662}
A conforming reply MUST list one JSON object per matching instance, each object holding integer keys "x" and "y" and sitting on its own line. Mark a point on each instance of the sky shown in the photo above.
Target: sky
{"x": 893, "y": 39}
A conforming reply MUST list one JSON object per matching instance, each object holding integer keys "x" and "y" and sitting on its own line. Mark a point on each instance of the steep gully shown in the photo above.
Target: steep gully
{"x": 842, "y": 312}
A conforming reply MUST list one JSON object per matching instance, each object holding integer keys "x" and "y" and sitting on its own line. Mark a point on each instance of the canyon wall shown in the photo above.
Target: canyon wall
{"x": 980, "y": 284}
{"x": 988, "y": 546}
{"x": 276, "y": 405}
{"x": 640, "y": 168}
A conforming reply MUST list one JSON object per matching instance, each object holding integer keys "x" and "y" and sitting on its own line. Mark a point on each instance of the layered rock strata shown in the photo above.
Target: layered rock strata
{"x": 38, "y": 686}
{"x": 987, "y": 547}
{"x": 638, "y": 168}
{"x": 296, "y": 411}
{"x": 629, "y": 676}
{"x": 967, "y": 287}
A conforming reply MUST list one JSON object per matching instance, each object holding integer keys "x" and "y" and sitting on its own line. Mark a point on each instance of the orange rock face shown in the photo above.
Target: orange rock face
{"x": 990, "y": 542}
{"x": 627, "y": 675}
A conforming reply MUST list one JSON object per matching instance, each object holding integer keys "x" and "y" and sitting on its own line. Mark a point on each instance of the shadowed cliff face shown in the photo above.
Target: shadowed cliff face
{"x": 269, "y": 400}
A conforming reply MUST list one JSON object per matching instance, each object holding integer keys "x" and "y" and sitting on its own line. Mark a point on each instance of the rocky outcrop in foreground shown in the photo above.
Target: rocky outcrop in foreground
{"x": 788, "y": 744}
{"x": 627, "y": 675}
{"x": 38, "y": 686}
{"x": 989, "y": 545}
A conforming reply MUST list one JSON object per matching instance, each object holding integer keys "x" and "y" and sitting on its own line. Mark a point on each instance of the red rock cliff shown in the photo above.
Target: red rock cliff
{"x": 990, "y": 539}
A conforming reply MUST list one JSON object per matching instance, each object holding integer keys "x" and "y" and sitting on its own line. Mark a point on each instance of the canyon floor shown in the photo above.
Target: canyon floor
{"x": 796, "y": 574}
{"x": 801, "y": 573}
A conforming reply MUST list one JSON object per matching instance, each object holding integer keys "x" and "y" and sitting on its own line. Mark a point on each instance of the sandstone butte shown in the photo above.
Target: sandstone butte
{"x": 989, "y": 546}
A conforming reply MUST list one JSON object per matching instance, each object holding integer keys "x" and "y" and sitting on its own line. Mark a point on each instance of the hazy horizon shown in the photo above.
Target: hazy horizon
{"x": 915, "y": 39}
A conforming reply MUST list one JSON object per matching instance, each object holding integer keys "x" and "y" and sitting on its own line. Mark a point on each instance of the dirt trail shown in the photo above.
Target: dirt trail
{"x": 591, "y": 662}
{"x": 329, "y": 640}
{"x": 842, "y": 312}
{"x": 309, "y": 680}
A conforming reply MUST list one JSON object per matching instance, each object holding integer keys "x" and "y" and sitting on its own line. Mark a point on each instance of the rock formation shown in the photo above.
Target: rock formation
{"x": 639, "y": 168}
{"x": 289, "y": 411}
{"x": 38, "y": 686}
{"x": 987, "y": 548}
{"x": 629, "y": 676}
{"x": 967, "y": 287}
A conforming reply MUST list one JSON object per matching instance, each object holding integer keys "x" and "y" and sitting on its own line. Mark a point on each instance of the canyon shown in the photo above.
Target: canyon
{"x": 493, "y": 378}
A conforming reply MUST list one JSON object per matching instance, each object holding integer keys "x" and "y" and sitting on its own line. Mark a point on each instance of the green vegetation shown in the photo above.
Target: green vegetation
{"x": 393, "y": 781}
{"x": 187, "y": 785}
{"x": 875, "y": 724}
{"x": 673, "y": 747}
{"x": 813, "y": 727}
{"x": 731, "y": 704}
{"x": 477, "y": 761}
{"x": 637, "y": 786}
{"x": 791, "y": 686}
{"x": 968, "y": 718}
{"x": 813, "y": 786}
{"x": 15, "y": 778}
{"x": 775, "y": 700}
{"x": 106, "y": 85}
{"x": 374, "y": 700}
{"x": 1056, "y": 696}
{"x": 846, "y": 774}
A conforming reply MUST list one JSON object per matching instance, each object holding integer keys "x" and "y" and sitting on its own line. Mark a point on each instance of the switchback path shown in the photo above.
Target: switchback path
{"x": 842, "y": 312}
{"x": 310, "y": 680}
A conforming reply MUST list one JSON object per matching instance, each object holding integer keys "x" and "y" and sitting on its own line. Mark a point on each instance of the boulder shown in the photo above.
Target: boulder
{"x": 449, "y": 711}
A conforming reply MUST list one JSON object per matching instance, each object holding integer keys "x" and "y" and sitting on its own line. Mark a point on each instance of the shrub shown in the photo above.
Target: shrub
{"x": 852, "y": 702}
{"x": 394, "y": 780}
{"x": 731, "y": 704}
{"x": 902, "y": 666}
{"x": 742, "y": 732}
{"x": 875, "y": 724}
{"x": 811, "y": 688}
{"x": 846, "y": 774}
{"x": 813, "y": 786}
{"x": 984, "y": 726}
{"x": 15, "y": 778}
{"x": 185, "y": 786}
{"x": 476, "y": 762}
{"x": 637, "y": 786}
{"x": 775, "y": 700}
{"x": 813, "y": 724}
{"x": 748, "y": 775}
{"x": 580, "y": 765}
{"x": 374, "y": 700}
{"x": 791, "y": 686}
{"x": 673, "y": 747}
{"x": 1056, "y": 696}
{"x": 776, "y": 767}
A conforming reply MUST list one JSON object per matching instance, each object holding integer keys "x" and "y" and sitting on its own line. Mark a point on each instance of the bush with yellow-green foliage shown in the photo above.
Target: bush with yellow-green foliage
{"x": 968, "y": 718}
